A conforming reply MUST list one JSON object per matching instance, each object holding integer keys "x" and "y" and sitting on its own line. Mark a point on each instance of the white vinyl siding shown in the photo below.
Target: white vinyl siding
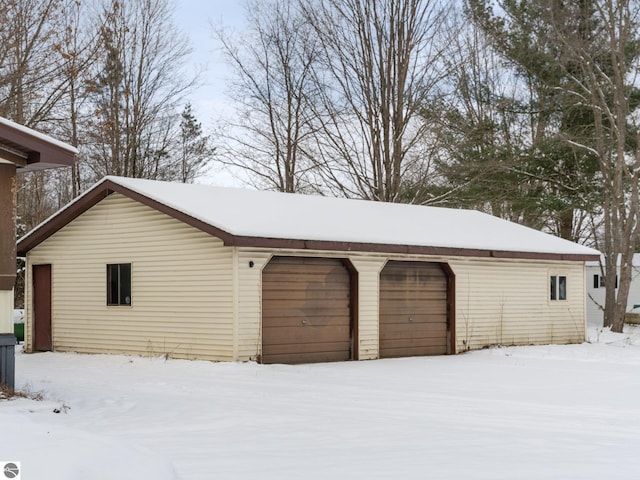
{"x": 250, "y": 302}
{"x": 506, "y": 302}
{"x": 181, "y": 284}
{"x": 497, "y": 301}
{"x": 596, "y": 295}
{"x": 369, "y": 269}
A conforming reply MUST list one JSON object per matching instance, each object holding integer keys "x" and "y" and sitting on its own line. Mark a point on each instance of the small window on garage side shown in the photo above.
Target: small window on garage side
{"x": 558, "y": 284}
{"x": 119, "y": 284}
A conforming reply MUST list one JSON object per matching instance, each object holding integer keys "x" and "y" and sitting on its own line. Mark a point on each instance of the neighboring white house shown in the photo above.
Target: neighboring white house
{"x": 596, "y": 290}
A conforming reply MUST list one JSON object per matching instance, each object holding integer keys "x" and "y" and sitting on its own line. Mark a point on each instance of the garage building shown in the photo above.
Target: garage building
{"x": 193, "y": 271}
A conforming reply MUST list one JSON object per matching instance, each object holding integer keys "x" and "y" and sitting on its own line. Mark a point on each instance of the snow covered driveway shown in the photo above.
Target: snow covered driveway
{"x": 551, "y": 412}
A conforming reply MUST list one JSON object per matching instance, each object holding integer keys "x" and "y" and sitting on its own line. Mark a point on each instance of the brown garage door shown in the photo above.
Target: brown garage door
{"x": 413, "y": 309}
{"x": 306, "y": 315}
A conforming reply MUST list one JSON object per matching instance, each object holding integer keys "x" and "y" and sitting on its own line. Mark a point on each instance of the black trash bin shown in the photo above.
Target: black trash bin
{"x": 7, "y": 360}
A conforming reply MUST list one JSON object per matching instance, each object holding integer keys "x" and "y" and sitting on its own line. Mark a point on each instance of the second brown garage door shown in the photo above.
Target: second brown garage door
{"x": 413, "y": 309}
{"x": 306, "y": 311}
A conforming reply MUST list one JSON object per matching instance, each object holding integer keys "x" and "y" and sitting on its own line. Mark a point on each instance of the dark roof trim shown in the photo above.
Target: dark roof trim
{"x": 94, "y": 196}
{"x": 107, "y": 187}
{"x": 30, "y": 150}
{"x": 61, "y": 219}
{"x": 400, "y": 249}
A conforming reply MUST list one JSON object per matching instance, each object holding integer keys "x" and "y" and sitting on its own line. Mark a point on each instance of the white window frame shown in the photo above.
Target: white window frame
{"x": 555, "y": 293}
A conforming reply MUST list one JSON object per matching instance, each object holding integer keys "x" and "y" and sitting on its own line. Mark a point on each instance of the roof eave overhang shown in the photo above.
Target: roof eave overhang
{"x": 257, "y": 242}
{"x": 30, "y": 150}
{"x": 107, "y": 187}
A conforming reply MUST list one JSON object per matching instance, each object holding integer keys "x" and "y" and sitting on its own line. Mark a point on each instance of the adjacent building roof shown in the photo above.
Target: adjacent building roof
{"x": 601, "y": 261}
{"x": 280, "y": 220}
{"x": 30, "y": 150}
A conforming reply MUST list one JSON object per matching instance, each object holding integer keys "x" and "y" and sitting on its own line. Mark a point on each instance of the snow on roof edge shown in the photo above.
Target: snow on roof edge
{"x": 38, "y": 135}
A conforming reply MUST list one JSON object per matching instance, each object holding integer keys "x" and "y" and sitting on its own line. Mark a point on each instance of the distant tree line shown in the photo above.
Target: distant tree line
{"x": 525, "y": 109}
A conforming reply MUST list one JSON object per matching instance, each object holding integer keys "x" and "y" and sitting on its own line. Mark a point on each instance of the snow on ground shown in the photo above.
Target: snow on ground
{"x": 552, "y": 412}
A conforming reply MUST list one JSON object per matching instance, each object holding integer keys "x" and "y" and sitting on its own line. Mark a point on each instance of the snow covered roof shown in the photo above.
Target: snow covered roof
{"x": 31, "y": 150}
{"x": 271, "y": 219}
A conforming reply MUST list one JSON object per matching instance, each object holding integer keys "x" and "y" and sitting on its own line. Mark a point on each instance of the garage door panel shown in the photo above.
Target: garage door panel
{"x": 416, "y": 320}
{"x": 331, "y": 281}
{"x": 333, "y": 348}
{"x": 306, "y": 312}
{"x": 299, "y": 312}
{"x": 319, "y": 262}
{"x": 411, "y": 290}
{"x": 424, "y": 330}
{"x": 413, "y": 309}
{"x": 410, "y": 303}
{"x": 302, "y": 335}
{"x": 415, "y": 343}
{"x": 299, "y": 288}
{"x": 306, "y": 357}
{"x": 340, "y": 298}
{"x": 402, "y": 312}
{"x": 413, "y": 272}
{"x": 413, "y": 351}
{"x": 395, "y": 301}
{"x": 396, "y": 284}
{"x": 293, "y": 321}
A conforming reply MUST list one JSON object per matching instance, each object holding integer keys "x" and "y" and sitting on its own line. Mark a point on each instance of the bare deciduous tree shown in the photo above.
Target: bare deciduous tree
{"x": 273, "y": 89}
{"x": 78, "y": 46}
{"x": 381, "y": 62}
{"x": 136, "y": 89}
{"x": 29, "y": 82}
{"x": 34, "y": 86}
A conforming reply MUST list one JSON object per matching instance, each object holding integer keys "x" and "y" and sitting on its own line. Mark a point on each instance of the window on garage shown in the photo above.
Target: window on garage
{"x": 119, "y": 284}
{"x": 558, "y": 286}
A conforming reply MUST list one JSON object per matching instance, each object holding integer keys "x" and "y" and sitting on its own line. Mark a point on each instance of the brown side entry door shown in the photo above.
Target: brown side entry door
{"x": 42, "y": 308}
{"x": 413, "y": 309}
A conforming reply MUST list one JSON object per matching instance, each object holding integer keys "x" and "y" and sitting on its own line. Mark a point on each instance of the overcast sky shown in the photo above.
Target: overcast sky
{"x": 195, "y": 19}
